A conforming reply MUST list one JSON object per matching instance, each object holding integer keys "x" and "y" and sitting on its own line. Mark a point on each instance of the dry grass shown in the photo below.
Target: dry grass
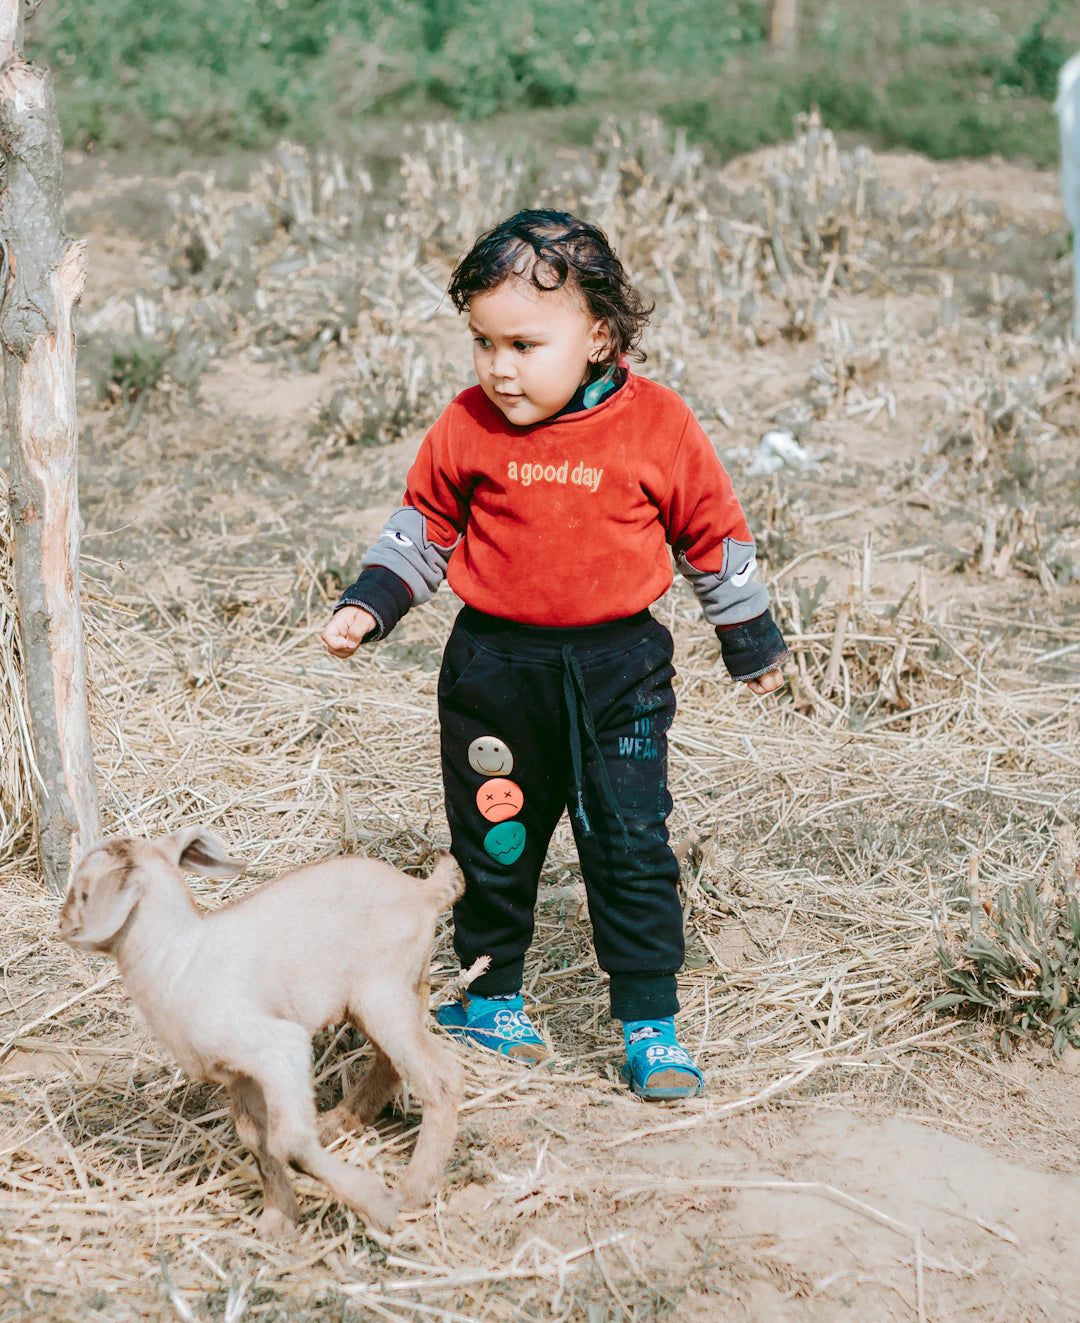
{"x": 819, "y": 834}
{"x": 17, "y": 771}
{"x": 816, "y": 854}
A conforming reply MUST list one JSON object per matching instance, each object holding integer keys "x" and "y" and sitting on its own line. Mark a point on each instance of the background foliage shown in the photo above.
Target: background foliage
{"x": 212, "y": 75}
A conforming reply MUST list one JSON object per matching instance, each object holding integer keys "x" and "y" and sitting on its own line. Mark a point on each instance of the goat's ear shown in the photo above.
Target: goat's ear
{"x": 110, "y": 898}
{"x": 199, "y": 852}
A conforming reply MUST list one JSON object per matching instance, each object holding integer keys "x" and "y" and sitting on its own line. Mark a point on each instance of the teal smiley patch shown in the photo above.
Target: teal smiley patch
{"x": 505, "y": 842}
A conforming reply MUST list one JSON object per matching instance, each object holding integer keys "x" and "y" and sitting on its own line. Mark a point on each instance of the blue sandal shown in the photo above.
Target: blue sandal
{"x": 658, "y": 1068}
{"x": 497, "y": 1023}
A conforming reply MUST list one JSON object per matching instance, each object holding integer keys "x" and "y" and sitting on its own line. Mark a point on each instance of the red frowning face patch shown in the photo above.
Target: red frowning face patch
{"x": 499, "y": 799}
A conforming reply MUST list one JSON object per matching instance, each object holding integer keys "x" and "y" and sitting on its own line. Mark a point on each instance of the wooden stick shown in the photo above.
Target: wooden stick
{"x": 41, "y": 280}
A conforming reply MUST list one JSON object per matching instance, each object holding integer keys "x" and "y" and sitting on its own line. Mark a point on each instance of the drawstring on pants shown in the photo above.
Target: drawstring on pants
{"x": 579, "y": 712}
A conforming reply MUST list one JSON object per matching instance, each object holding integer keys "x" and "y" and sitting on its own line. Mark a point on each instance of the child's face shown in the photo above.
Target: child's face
{"x": 532, "y": 349}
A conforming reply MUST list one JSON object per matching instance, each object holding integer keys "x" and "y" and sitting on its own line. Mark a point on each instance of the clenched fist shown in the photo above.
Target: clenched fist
{"x": 765, "y": 684}
{"x": 345, "y": 632}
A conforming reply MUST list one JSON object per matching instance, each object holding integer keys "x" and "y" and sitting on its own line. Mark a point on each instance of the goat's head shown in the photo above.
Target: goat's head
{"x": 114, "y": 876}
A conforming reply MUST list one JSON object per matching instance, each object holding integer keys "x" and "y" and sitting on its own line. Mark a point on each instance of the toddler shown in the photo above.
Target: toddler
{"x": 548, "y": 495}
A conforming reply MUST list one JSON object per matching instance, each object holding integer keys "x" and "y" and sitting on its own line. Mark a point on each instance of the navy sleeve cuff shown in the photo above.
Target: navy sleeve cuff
{"x": 383, "y": 594}
{"x": 753, "y": 648}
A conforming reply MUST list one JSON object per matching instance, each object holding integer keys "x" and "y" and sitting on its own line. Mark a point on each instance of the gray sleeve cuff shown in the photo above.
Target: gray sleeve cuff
{"x": 404, "y": 550}
{"x": 733, "y": 594}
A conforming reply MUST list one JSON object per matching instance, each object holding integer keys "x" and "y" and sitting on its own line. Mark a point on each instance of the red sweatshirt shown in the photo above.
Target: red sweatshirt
{"x": 567, "y": 522}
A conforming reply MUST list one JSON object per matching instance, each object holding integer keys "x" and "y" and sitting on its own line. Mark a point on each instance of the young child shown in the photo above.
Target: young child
{"x": 548, "y": 495}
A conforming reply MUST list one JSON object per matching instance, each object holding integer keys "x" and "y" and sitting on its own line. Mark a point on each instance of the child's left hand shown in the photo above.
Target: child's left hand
{"x": 765, "y": 684}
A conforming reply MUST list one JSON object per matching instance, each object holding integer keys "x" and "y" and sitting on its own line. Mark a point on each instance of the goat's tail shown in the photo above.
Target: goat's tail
{"x": 446, "y": 882}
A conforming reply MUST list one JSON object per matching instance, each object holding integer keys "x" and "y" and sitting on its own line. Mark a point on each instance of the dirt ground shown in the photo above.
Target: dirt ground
{"x": 855, "y": 1156}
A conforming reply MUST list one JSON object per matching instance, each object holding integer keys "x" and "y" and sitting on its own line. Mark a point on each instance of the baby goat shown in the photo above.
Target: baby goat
{"x": 236, "y": 994}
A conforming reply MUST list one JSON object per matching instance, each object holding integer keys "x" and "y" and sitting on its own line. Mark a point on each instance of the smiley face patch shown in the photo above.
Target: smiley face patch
{"x": 505, "y": 842}
{"x": 499, "y": 799}
{"x": 490, "y": 756}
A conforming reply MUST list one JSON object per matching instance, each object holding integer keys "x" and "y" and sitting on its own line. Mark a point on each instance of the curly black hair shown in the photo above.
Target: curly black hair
{"x": 552, "y": 249}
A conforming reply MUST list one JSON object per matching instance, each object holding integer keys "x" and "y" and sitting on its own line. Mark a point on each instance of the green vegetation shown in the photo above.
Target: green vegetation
{"x": 214, "y": 75}
{"x": 1040, "y": 53}
{"x": 136, "y": 366}
{"x": 1020, "y": 966}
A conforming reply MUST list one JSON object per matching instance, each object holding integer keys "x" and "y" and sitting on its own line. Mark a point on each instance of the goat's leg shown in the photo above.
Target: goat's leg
{"x": 280, "y": 1210}
{"x": 292, "y": 1135}
{"x": 295, "y": 1136}
{"x": 364, "y": 1101}
{"x": 437, "y": 1079}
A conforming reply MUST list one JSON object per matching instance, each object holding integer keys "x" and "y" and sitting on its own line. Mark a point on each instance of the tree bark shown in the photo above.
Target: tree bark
{"x": 42, "y": 273}
{"x": 781, "y": 27}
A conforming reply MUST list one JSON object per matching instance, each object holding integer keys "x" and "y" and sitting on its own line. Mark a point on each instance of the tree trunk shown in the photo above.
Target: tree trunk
{"x": 781, "y": 26}
{"x": 41, "y": 278}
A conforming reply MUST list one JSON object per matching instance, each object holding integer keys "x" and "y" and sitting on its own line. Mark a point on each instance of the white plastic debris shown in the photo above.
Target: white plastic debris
{"x": 780, "y": 450}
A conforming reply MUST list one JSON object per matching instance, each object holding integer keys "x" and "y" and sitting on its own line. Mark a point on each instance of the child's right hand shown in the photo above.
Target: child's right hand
{"x": 346, "y": 630}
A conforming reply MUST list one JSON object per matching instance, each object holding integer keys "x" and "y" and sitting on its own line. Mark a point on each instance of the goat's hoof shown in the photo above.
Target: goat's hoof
{"x": 381, "y": 1211}
{"x": 273, "y": 1224}
{"x": 338, "y": 1121}
{"x": 413, "y": 1196}
{"x": 330, "y": 1125}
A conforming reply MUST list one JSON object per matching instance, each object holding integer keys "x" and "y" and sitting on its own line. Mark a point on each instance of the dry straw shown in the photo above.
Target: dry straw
{"x": 815, "y": 854}
{"x": 819, "y": 835}
{"x": 17, "y": 770}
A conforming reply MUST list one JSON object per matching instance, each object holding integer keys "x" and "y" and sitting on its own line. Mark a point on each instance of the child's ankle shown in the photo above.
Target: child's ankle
{"x": 476, "y": 1003}
{"x": 637, "y": 1031}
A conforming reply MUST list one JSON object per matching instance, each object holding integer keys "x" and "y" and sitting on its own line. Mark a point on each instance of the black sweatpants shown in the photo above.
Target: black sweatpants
{"x": 535, "y": 720}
